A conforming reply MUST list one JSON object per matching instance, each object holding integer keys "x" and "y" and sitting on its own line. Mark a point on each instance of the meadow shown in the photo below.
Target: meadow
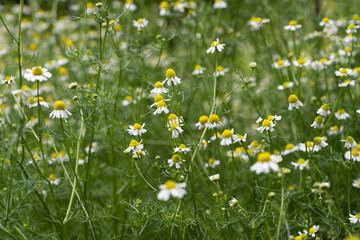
{"x": 205, "y": 119}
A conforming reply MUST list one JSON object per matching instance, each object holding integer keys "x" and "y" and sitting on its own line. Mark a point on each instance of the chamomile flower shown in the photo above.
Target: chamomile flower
{"x": 289, "y": 148}
{"x": 281, "y": 64}
{"x": 34, "y": 102}
{"x": 158, "y": 89}
{"x": 140, "y": 23}
{"x": 351, "y": 28}
{"x": 175, "y": 130}
{"x": 161, "y": 107}
{"x": 350, "y": 142}
{"x": 334, "y": 130}
{"x": 354, "y": 218}
{"x": 134, "y": 146}
{"x": 136, "y": 129}
{"x": 214, "y": 121}
{"x": 164, "y": 8}
{"x": 175, "y": 160}
{"x": 8, "y": 80}
{"x": 301, "y": 63}
{"x": 286, "y": 85}
{"x": 293, "y": 26}
{"x": 353, "y": 155}
{"x": 266, "y": 125}
{"x": 212, "y": 163}
{"x": 37, "y": 74}
{"x": 179, "y": 6}
{"x": 171, "y": 188}
{"x": 319, "y": 143}
{"x": 233, "y": 202}
{"x": 306, "y": 147}
{"x": 220, "y": 71}
{"x": 301, "y": 164}
{"x": 215, "y": 45}
{"x": 312, "y": 231}
{"x": 318, "y": 122}
{"x": 182, "y": 149}
{"x": 198, "y": 70}
{"x": 202, "y": 122}
{"x": 325, "y": 21}
{"x": 171, "y": 78}
{"x": 324, "y": 110}
{"x": 214, "y": 177}
{"x": 157, "y": 99}
{"x": 356, "y": 183}
{"x": 130, "y": 6}
{"x": 173, "y": 119}
{"x": 265, "y": 163}
{"x": 60, "y": 111}
{"x": 347, "y": 83}
{"x": 341, "y": 114}
{"x": 294, "y": 102}
{"x": 128, "y": 100}
{"x": 139, "y": 154}
{"x": 241, "y": 138}
{"x": 53, "y": 179}
{"x": 256, "y": 23}
{"x": 343, "y": 72}
{"x": 73, "y": 85}
{"x": 219, "y": 4}
{"x": 228, "y": 137}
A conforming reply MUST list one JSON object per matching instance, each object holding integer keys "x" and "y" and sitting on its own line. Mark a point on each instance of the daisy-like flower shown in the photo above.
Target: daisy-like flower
{"x": 334, "y": 130}
{"x": 171, "y": 78}
{"x": 202, "y": 122}
{"x": 139, "y": 154}
{"x": 294, "y": 102}
{"x": 356, "y": 183}
{"x": 351, "y": 28}
{"x": 175, "y": 160}
{"x": 301, "y": 164}
{"x": 350, "y": 142}
{"x": 353, "y": 155}
{"x": 325, "y": 21}
{"x": 318, "y": 122}
{"x": 134, "y": 146}
{"x": 161, "y": 107}
{"x": 212, "y": 163}
{"x": 293, "y": 26}
{"x": 214, "y": 121}
{"x": 157, "y": 99}
{"x": 60, "y": 111}
{"x": 128, "y": 100}
{"x": 182, "y": 149}
{"x": 343, "y": 72}
{"x": 215, "y": 45}
{"x": 179, "y": 6}
{"x": 214, "y": 177}
{"x": 319, "y": 143}
{"x": 73, "y": 85}
{"x": 228, "y": 137}
{"x": 34, "y": 102}
{"x": 347, "y": 83}
{"x": 140, "y": 23}
{"x": 171, "y": 188}
{"x": 241, "y": 138}
{"x": 164, "y": 8}
{"x": 281, "y": 64}
{"x": 324, "y": 110}
{"x": 219, "y": 4}
{"x": 341, "y": 114}
{"x": 198, "y": 70}
{"x": 289, "y": 148}
{"x": 136, "y": 129}
{"x": 220, "y": 71}
{"x": 130, "y": 6}
{"x": 8, "y": 80}
{"x": 53, "y": 179}
{"x": 175, "y": 130}
{"x": 233, "y": 202}
{"x": 173, "y": 119}
{"x": 37, "y": 74}
{"x": 306, "y": 147}
{"x": 256, "y": 23}
{"x": 354, "y": 218}
{"x": 265, "y": 163}
{"x": 266, "y": 125}
{"x": 301, "y": 63}
{"x": 286, "y": 85}
{"x": 312, "y": 231}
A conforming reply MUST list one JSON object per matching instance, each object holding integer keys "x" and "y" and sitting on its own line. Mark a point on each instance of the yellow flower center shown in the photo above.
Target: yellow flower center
{"x": 227, "y": 133}
{"x": 301, "y": 161}
{"x": 292, "y": 23}
{"x": 220, "y": 68}
{"x": 182, "y": 146}
{"x": 164, "y": 5}
{"x": 134, "y": 143}
{"x": 214, "y": 118}
{"x": 170, "y": 184}
{"x": 158, "y": 85}
{"x": 170, "y": 73}
{"x": 160, "y": 104}
{"x": 293, "y": 98}
{"x": 317, "y": 140}
{"x": 263, "y": 157}
{"x": 258, "y": 19}
{"x": 301, "y": 61}
{"x": 173, "y": 126}
{"x": 309, "y": 144}
{"x": 355, "y": 153}
{"x": 334, "y": 128}
{"x": 266, "y": 123}
{"x": 172, "y": 117}
{"x": 289, "y": 146}
{"x": 176, "y": 158}
{"x": 52, "y": 177}
{"x": 323, "y": 60}
{"x": 351, "y": 26}
{"x": 343, "y": 71}
{"x": 357, "y": 216}
{"x": 140, "y": 20}
{"x": 128, "y": 98}
{"x": 325, "y": 107}
{"x": 158, "y": 98}
{"x": 32, "y": 46}
{"x": 356, "y": 17}
{"x": 347, "y": 81}
{"x": 203, "y": 119}
{"x": 341, "y": 111}
{"x": 326, "y": 19}
{"x": 197, "y": 67}
{"x": 59, "y": 105}
{"x": 254, "y": 144}
{"x": 37, "y": 71}
{"x": 312, "y": 230}
{"x": 137, "y": 126}
{"x": 211, "y": 161}
{"x": 319, "y": 119}
{"x": 63, "y": 71}
{"x": 285, "y": 84}
{"x": 214, "y": 44}
{"x": 39, "y": 99}
{"x": 280, "y": 62}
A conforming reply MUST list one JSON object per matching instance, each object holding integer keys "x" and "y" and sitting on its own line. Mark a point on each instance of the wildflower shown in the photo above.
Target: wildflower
{"x": 34, "y": 102}
{"x": 140, "y": 23}
{"x": 134, "y": 146}
{"x": 175, "y": 130}
{"x": 214, "y": 121}
{"x": 301, "y": 63}
{"x": 73, "y": 85}
{"x": 318, "y": 122}
{"x": 220, "y": 71}
{"x": 37, "y": 74}
{"x": 219, "y": 4}
{"x": 256, "y": 23}
{"x": 128, "y": 100}
{"x": 157, "y": 99}
{"x": 289, "y": 148}
{"x": 253, "y": 65}
{"x": 204, "y": 144}
{"x": 137, "y": 129}
{"x": 212, "y": 163}
{"x": 173, "y": 119}
{"x": 8, "y": 80}
{"x": 325, "y": 21}
{"x": 241, "y": 138}
{"x": 233, "y": 202}
{"x": 319, "y": 143}
{"x": 161, "y": 107}
{"x": 265, "y": 163}
{"x": 53, "y": 179}
{"x": 351, "y": 28}
{"x": 312, "y": 230}
{"x": 281, "y": 64}
{"x": 324, "y": 110}
{"x": 164, "y": 8}
{"x": 301, "y": 164}
{"x": 350, "y": 142}
{"x": 130, "y": 6}
{"x": 214, "y": 177}
{"x": 334, "y": 130}
{"x": 286, "y": 85}
{"x": 139, "y": 154}
{"x": 198, "y": 70}
{"x": 175, "y": 160}
{"x": 202, "y": 122}
{"x": 294, "y": 102}
{"x": 356, "y": 183}
{"x": 266, "y": 125}
{"x": 341, "y": 114}
{"x": 179, "y": 6}
{"x": 228, "y": 137}
{"x": 347, "y": 83}
{"x": 354, "y": 155}
{"x": 182, "y": 148}
{"x": 171, "y": 78}
{"x": 293, "y": 26}
{"x": 60, "y": 111}
{"x": 343, "y": 72}
{"x": 306, "y": 147}
{"x": 215, "y": 45}
{"x": 171, "y": 188}
{"x": 354, "y": 218}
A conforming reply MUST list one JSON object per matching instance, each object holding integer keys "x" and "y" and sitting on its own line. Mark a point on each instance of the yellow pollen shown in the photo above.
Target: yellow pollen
{"x": 227, "y": 133}
{"x": 158, "y": 98}
{"x": 59, "y": 105}
{"x": 266, "y": 123}
{"x": 203, "y": 119}
{"x": 214, "y": 44}
{"x": 341, "y": 111}
{"x": 263, "y": 157}
{"x": 182, "y": 146}
{"x": 176, "y": 158}
{"x": 301, "y": 61}
{"x": 170, "y": 184}
{"x": 289, "y": 146}
{"x": 137, "y": 126}
{"x": 325, "y": 107}
{"x": 319, "y": 119}
{"x": 301, "y": 161}
{"x": 214, "y": 118}
{"x": 293, "y": 98}
{"x": 220, "y": 68}
{"x": 37, "y": 71}
{"x": 317, "y": 140}
{"x": 134, "y": 143}
{"x": 160, "y": 104}
{"x": 312, "y": 230}
{"x": 170, "y": 73}
{"x": 292, "y": 23}
{"x": 158, "y": 85}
